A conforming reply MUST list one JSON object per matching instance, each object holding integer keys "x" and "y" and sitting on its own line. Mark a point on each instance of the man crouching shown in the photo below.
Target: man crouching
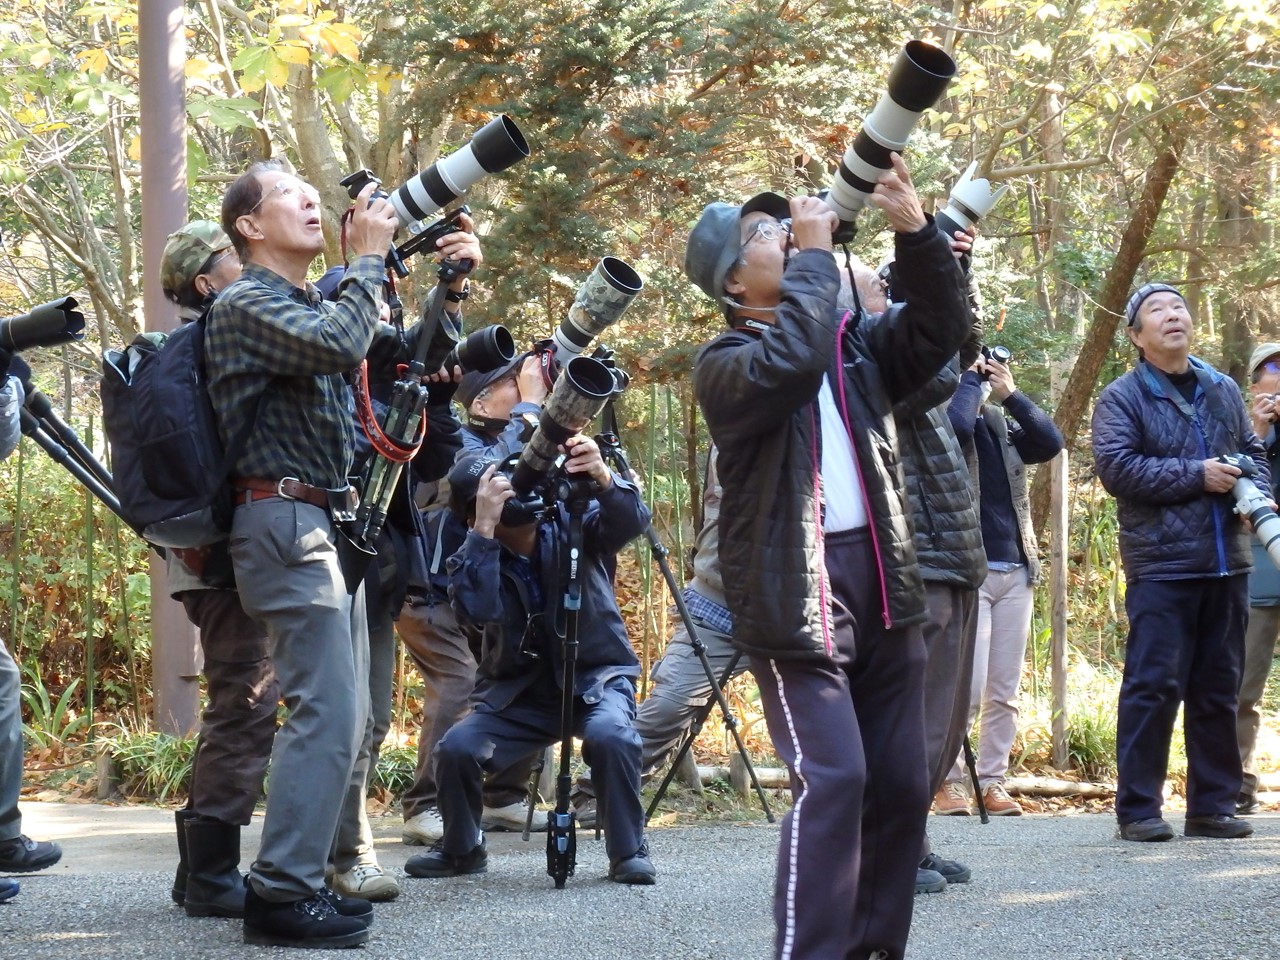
{"x": 505, "y": 580}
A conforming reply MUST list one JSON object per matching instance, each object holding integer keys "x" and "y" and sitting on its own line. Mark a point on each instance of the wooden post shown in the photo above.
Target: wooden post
{"x": 1058, "y": 615}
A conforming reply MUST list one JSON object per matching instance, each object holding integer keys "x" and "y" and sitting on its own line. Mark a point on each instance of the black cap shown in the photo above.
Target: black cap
{"x": 473, "y": 381}
{"x": 464, "y": 481}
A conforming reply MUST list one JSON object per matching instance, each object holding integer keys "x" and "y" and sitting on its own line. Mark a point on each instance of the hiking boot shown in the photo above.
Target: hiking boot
{"x": 1247, "y": 804}
{"x": 952, "y": 800}
{"x": 24, "y": 855}
{"x": 437, "y": 863}
{"x": 998, "y": 802}
{"x": 953, "y": 871}
{"x": 361, "y": 910}
{"x": 929, "y": 881}
{"x": 584, "y": 810}
{"x": 636, "y": 869}
{"x": 366, "y": 881}
{"x": 424, "y": 829}
{"x": 314, "y": 923}
{"x": 1219, "y": 826}
{"x": 513, "y": 817}
{"x": 8, "y": 889}
{"x": 1151, "y": 830}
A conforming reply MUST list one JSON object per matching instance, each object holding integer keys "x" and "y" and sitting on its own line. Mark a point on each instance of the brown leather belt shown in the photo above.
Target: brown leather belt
{"x": 249, "y": 489}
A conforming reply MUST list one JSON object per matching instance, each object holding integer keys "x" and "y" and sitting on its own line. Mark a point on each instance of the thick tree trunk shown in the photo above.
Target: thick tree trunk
{"x": 1106, "y": 318}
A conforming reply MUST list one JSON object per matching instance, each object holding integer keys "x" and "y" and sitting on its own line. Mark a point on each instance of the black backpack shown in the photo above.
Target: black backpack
{"x": 168, "y": 462}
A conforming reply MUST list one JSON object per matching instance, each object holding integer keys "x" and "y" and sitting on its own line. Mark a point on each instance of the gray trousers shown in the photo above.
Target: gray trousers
{"x": 439, "y": 648}
{"x": 1259, "y": 649}
{"x": 239, "y": 722}
{"x": 353, "y": 842}
{"x": 680, "y": 688}
{"x": 11, "y": 756}
{"x": 286, "y": 565}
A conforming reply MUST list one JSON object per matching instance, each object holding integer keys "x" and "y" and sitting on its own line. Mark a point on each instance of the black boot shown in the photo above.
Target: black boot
{"x": 180, "y": 818}
{"x": 215, "y": 886}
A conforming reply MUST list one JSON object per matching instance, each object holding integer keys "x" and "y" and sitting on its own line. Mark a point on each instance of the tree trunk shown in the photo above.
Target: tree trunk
{"x": 1102, "y": 328}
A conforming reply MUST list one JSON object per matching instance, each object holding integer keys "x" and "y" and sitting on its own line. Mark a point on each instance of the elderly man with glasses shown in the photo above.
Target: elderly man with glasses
{"x": 816, "y": 552}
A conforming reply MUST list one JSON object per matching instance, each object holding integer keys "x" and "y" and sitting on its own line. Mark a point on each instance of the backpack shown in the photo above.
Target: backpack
{"x": 168, "y": 462}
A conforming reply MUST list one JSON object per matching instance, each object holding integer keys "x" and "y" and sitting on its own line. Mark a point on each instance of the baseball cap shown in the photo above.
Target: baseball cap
{"x": 464, "y": 480}
{"x": 1261, "y": 354}
{"x": 473, "y": 381}
{"x": 187, "y": 251}
{"x": 1141, "y": 294}
{"x": 716, "y": 240}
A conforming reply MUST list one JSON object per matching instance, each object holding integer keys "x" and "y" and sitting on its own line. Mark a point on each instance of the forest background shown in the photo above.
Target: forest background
{"x": 1140, "y": 139}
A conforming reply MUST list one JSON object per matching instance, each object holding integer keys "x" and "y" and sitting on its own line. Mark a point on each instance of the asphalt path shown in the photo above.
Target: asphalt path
{"x": 1054, "y": 886}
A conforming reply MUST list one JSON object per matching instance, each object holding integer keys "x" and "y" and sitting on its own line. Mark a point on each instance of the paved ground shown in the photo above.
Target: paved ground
{"x": 1058, "y": 887}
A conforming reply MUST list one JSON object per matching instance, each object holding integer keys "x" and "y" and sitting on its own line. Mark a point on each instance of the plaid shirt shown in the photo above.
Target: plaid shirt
{"x": 708, "y": 611}
{"x": 265, "y": 334}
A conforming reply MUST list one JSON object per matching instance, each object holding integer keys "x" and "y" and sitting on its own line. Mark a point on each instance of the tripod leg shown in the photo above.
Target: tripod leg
{"x": 973, "y": 776}
{"x": 535, "y": 775}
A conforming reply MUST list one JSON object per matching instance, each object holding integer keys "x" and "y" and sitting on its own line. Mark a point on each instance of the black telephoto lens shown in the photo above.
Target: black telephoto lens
{"x": 45, "y": 326}
{"x": 486, "y": 349}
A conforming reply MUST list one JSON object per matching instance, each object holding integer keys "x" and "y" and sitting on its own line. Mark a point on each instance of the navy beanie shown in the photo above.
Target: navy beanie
{"x": 1141, "y": 294}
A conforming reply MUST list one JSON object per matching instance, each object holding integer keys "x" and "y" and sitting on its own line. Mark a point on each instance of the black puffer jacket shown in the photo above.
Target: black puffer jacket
{"x": 944, "y": 504}
{"x": 1150, "y": 457}
{"x": 759, "y": 393}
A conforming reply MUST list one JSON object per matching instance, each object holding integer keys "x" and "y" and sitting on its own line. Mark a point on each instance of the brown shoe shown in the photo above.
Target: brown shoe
{"x": 998, "y": 801}
{"x": 952, "y": 800}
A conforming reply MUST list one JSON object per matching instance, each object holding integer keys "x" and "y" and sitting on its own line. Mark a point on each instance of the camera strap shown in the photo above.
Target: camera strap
{"x": 1204, "y": 379}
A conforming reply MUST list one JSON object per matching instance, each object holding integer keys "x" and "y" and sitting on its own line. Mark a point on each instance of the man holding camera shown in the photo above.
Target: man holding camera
{"x": 1005, "y": 430}
{"x": 1159, "y": 432}
{"x": 18, "y": 853}
{"x": 276, "y": 354}
{"x": 506, "y": 581}
{"x": 1264, "y": 583}
{"x": 815, "y": 543}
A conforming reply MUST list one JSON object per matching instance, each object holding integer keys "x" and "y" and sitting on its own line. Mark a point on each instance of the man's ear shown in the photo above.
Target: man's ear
{"x": 731, "y": 283}
{"x": 247, "y": 228}
{"x": 1132, "y": 333}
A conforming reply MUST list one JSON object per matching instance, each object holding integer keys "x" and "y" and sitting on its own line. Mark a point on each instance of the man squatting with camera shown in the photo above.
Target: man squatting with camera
{"x": 1159, "y": 432}
{"x": 816, "y": 551}
{"x": 503, "y": 581}
{"x": 275, "y": 346}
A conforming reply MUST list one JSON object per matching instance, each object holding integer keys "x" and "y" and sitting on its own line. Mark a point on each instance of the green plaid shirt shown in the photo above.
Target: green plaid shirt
{"x": 265, "y": 334}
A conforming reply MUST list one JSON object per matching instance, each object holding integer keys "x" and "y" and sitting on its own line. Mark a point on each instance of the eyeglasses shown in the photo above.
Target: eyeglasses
{"x": 286, "y": 189}
{"x": 218, "y": 258}
{"x": 770, "y": 230}
{"x": 1272, "y": 366}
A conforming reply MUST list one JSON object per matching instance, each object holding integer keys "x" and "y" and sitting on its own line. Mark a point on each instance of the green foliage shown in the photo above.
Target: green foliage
{"x": 395, "y": 770}
{"x": 50, "y": 724}
{"x": 152, "y": 765}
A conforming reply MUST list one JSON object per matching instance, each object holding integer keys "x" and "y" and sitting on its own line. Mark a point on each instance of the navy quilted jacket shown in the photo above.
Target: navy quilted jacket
{"x": 1149, "y": 455}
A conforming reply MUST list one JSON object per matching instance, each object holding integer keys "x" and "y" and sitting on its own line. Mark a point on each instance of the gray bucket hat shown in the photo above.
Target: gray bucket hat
{"x": 716, "y": 240}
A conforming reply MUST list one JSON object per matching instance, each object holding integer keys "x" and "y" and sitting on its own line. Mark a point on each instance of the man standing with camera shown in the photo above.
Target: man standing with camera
{"x": 816, "y": 556}
{"x": 1158, "y": 433}
{"x": 18, "y": 853}
{"x": 276, "y": 353}
{"x": 1264, "y": 583}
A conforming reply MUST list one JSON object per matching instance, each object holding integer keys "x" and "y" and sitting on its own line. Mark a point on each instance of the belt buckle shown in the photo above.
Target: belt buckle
{"x": 280, "y": 487}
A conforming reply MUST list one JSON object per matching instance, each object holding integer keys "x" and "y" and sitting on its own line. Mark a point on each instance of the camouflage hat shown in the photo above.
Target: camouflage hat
{"x": 187, "y": 251}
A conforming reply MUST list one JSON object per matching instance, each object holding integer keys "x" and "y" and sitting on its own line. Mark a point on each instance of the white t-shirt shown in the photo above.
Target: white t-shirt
{"x": 846, "y": 509}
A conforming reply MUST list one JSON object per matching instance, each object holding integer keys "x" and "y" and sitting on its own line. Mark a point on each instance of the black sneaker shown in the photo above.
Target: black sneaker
{"x": 636, "y": 869}
{"x": 436, "y": 863}
{"x": 311, "y": 924}
{"x": 953, "y": 871}
{"x": 929, "y": 881}
{"x": 349, "y": 906}
{"x": 1150, "y": 830}
{"x": 1219, "y": 826}
{"x": 24, "y": 855}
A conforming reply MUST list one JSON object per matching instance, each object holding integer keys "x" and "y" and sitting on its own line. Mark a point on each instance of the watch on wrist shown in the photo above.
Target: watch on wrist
{"x": 457, "y": 296}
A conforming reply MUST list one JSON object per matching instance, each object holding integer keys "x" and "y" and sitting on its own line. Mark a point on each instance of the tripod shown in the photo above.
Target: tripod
{"x": 611, "y": 448}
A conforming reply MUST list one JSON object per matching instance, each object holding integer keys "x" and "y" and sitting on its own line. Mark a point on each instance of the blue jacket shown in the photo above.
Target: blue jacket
{"x": 1149, "y": 455}
{"x": 519, "y": 641}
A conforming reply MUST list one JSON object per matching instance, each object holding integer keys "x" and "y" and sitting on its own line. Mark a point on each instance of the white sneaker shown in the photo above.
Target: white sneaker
{"x": 367, "y": 881}
{"x": 512, "y": 817}
{"x": 424, "y": 829}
